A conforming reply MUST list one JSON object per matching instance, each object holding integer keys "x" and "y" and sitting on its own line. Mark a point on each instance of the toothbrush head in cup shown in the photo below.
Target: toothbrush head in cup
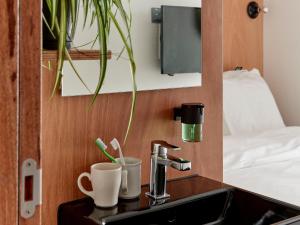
{"x": 102, "y": 146}
{"x": 116, "y": 146}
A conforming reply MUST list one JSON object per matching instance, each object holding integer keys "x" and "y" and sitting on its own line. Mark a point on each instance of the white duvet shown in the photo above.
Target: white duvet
{"x": 267, "y": 163}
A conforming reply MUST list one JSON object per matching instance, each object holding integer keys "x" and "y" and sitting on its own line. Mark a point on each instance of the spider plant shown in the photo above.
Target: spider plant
{"x": 105, "y": 13}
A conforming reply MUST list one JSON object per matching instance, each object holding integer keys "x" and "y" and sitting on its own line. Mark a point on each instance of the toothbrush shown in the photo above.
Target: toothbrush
{"x": 102, "y": 146}
{"x": 116, "y": 146}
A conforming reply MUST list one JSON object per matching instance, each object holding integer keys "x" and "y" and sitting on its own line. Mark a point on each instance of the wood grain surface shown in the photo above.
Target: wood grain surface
{"x": 30, "y": 89}
{"x": 243, "y": 36}
{"x": 75, "y": 55}
{"x": 8, "y": 113}
{"x": 69, "y": 129}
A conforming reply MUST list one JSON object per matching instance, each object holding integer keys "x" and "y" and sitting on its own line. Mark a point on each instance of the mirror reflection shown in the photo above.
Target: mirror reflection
{"x": 159, "y": 65}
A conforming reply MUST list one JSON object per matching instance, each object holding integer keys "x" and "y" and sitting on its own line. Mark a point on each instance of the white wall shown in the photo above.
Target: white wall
{"x": 145, "y": 43}
{"x": 282, "y": 56}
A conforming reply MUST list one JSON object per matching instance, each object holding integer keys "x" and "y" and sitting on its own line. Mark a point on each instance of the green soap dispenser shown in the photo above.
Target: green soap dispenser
{"x": 192, "y": 118}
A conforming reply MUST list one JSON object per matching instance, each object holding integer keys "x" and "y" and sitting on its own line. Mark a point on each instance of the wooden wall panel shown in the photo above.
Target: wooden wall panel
{"x": 243, "y": 37}
{"x": 69, "y": 130}
{"x": 8, "y": 113}
{"x": 30, "y": 89}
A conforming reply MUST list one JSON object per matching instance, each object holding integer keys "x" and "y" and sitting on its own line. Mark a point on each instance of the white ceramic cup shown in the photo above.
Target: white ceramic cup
{"x": 106, "y": 181}
{"x": 131, "y": 183}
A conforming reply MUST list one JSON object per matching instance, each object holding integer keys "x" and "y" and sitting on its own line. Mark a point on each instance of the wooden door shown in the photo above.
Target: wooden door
{"x": 8, "y": 113}
{"x": 29, "y": 90}
{"x": 20, "y": 71}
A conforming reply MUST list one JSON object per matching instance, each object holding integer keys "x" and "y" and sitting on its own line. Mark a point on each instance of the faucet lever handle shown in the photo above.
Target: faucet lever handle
{"x": 165, "y": 144}
{"x": 169, "y": 146}
{"x": 172, "y": 147}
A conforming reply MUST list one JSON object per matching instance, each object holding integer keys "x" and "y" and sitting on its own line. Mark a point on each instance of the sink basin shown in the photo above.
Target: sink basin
{"x": 194, "y": 201}
{"x": 227, "y": 207}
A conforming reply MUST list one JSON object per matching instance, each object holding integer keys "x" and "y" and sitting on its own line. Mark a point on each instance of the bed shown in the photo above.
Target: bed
{"x": 261, "y": 154}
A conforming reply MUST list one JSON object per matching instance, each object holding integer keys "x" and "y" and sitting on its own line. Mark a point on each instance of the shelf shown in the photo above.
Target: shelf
{"x": 75, "y": 54}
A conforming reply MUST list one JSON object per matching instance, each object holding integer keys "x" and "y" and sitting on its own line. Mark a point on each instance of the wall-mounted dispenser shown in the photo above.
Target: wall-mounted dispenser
{"x": 192, "y": 118}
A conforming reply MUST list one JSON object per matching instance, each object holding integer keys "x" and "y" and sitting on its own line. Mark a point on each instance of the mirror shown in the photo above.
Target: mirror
{"x": 146, "y": 50}
{"x": 262, "y": 108}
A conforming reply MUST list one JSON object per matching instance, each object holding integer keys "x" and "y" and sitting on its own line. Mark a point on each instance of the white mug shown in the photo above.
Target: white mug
{"x": 131, "y": 179}
{"x": 106, "y": 181}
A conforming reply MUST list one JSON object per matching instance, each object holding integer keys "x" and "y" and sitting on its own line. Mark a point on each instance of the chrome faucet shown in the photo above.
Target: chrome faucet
{"x": 160, "y": 160}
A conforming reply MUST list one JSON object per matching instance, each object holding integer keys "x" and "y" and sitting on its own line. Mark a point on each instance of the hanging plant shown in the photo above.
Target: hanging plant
{"x": 61, "y": 22}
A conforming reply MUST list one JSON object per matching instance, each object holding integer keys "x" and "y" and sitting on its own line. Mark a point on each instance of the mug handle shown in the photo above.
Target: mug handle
{"x": 124, "y": 182}
{"x": 82, "y": 189}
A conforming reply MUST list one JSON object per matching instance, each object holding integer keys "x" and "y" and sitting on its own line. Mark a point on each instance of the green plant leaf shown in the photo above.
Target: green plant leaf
{"x": 94, "y": 42}
{"x": 48, "y": 67}
{"x": 88, "y": 43}
{"x": 75, "y": 70}
{"x": 127, "y": 19}
{"x": 102, "y": 12}
{"x": 128, "y": 48}
{"x": 74, "y": 5}
{"x": 48, "y": 27}
{"x": 53, "y": 12}
{"x": 93, "y": 18}
{"x": 49, "y": 4}
{"x": 60, "y": 64}
{"x": 85, "y": 11}
{"x": 103, "y": 46}
{"x": 61, "y": 45}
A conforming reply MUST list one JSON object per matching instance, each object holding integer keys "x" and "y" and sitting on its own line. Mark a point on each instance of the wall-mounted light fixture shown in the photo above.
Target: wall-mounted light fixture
{"x": 253, "y": 10}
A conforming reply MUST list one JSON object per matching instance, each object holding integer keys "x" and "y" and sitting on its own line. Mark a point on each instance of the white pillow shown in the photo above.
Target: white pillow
{"x": 248, "y": 104}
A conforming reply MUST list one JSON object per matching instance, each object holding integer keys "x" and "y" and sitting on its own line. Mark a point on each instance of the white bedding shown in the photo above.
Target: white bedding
{"x": 267, "y": 163}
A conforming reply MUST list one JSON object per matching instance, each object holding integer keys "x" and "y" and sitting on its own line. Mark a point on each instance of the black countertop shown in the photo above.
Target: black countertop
{"x": 84, "y": 212}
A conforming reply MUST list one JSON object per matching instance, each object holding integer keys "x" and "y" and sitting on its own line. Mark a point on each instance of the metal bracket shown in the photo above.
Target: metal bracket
{"x": 156, "y": 15}
{"x": 31, "y": 188}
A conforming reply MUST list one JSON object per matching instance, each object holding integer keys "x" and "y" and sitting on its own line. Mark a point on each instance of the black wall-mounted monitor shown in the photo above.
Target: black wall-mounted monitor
{"x": 180, "y": 40}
